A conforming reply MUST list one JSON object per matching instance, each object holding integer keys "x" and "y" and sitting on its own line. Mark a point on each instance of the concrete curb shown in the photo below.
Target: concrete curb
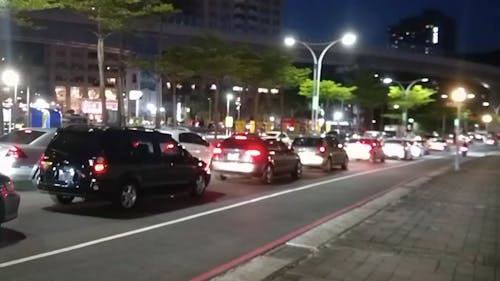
{"x": 272, "y": 263}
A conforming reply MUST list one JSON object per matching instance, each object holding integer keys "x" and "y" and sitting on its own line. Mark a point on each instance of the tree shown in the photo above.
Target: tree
{"x": 216, "y": 62}
{"x": 417, "y": 96}
{"x": 106, "y": 15}
{"x": 172, "y": 67}
{"x": 370, "y": 94}
{"x": 329, "y": 90}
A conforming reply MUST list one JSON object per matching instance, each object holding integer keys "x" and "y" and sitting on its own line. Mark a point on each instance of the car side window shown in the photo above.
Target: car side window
{"x": 283, "y": 146}
{"x": 168, "y": 146}
{"x": 193, "y": 139}
{"x": 143, "y": 146}
{"x": 274, "y": 145}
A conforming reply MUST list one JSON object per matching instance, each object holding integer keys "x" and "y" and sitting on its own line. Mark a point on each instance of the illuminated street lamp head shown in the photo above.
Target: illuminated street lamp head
{"x": 459, "y": 95}
{"x": 229, "y": 97}
{"x": 396, "y": 106}
{"x": 349, "y": 39}
{"x": 486, "y": 104}
{"x": 290, "y": 41}
{"x": 10, "y": 78}
{"x": 387, "y": 80}
{"x": 487, "y": 118}
{"x": 424, "y": 80}
{"x": 411, "y": 120}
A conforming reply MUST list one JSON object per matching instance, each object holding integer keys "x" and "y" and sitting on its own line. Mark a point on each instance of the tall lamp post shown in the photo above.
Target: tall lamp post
{"x": 11, "y": 79}
{"x": 487, "y": 118}
{"x": 458, "y": 96}
{"x": 348, "y": 39}
{"x": 406, "y": 91}
{"x": 229, "y": 98}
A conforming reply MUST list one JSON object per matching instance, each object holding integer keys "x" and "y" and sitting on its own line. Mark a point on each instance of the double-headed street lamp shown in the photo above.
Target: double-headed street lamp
{"x": 11, "y": 79}
{"x": 348, "y": 39}
{"x": 406, "y": 91}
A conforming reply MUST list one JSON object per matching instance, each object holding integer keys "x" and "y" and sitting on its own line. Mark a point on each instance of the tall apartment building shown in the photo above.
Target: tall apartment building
{"x": 431, "y": 32}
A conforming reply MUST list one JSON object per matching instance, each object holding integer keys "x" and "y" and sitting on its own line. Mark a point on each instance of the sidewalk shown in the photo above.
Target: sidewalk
{"x": 447, "y": 229}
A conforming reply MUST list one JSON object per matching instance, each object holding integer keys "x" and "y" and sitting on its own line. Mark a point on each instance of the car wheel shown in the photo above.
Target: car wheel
{"x": 297, "y": 173}
{"x": 62, "y": 199}
{"x": 268, "y": 175}
{"x": 373, "y": 158}
{"x": 382, "y": 160}
{"x": 328, "y": 166}
{"x": 127, "y": 196}
{"x": 198, "y": 187}
{"x": 221, "y": 177}
{"x": 345, "y": 165}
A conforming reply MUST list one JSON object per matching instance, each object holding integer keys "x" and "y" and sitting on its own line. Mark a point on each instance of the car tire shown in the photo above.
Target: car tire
{"x": 268, "y": 174}
{"x": 382, "y": 160}
{"x": 126, "y": 197}
{"x": 198, "y": 187}
{"x": 297, "y": 173}
{"x": 328, "y": 166}
{"x": 62, "y": 199}
{"x": 221, "y": 177}
{"x": 345, "y": 165}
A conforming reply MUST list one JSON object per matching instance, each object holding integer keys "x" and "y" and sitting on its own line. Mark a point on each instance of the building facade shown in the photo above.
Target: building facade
{"x": 431, "y": 32}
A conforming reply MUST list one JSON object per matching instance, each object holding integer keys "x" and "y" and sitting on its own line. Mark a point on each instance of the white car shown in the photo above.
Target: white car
{"x": 21, "y": 150}
{"x": 281, "y": 136}
{"x": 397, "y": 148}
{"x": 194, "y": 143}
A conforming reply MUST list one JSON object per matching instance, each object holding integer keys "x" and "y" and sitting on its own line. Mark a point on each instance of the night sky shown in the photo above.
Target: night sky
{"x": 478, "y": 21}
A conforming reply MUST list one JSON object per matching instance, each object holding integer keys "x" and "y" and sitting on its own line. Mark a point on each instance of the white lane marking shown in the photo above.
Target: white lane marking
{"x": 191, "y": 217}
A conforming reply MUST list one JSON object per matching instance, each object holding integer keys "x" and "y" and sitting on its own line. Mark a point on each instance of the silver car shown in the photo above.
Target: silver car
{"x": 21, "y": 150}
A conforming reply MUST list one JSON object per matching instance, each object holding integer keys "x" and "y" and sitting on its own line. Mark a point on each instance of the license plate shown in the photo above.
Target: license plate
{"x": 64, "y": 176}
{"x": 233, "y": 156}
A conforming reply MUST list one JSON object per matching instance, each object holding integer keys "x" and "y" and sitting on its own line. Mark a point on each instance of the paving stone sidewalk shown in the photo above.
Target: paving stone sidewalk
{"x": 447, "y": 229}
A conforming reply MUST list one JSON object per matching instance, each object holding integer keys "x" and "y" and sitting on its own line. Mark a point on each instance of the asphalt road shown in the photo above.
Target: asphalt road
{"x": 176, "y": 238}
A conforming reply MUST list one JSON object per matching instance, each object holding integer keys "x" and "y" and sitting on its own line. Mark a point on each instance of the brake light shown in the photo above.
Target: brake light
{"x": 100, "y": 166}
{"x": 322, "y": 149}
{"x": 28, "y": 131}
{"x": 253, "y": 153}
{"x": 8, "y": 189}
{"x": 44, "y": 164}
{"x": 16, "y": 152}
{"x": 217, "y": 150}
{"x": 169, "y": 146}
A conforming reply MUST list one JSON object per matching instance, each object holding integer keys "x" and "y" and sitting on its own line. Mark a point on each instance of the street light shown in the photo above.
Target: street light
{"x": 486, "y": 118}
{"x": 348, "y": 39}
{"x": 406, "y": 91}
{"x": 458, "y": 96}
{"x": 11, "y": 79}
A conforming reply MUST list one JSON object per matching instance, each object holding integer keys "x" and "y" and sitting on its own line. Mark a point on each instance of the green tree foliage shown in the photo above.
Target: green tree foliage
{"x": 329, "y": 90}
{"x": 106, "y": 15}
{"x": 417, "y": 96}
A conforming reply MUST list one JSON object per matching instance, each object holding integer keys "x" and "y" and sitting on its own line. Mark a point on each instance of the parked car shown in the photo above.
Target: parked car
{"x": 21, "y": 150}
{"x": 9, "y": 200}
{"x": 417, "y": 150}
{"x": 490, "y": 139}
{"x": 322, "y": 152}
{"x": 365, "y": 149}
{"x": 120, "y": 165}
{"x": 250, "y": 155}
{"x": 424, "y": 146}
{"x": 397, "y": 148}
{"x": 192, "y": 141}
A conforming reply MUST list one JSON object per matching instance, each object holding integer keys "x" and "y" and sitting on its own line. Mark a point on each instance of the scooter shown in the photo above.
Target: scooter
{"x": 463, "y": 150}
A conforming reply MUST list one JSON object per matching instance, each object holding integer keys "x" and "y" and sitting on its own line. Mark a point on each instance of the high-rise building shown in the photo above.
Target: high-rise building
{"x": 431, "y": 32}
{"x": 251, "y": 17}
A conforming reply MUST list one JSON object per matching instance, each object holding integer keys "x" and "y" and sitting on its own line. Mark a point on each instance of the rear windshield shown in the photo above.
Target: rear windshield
{"x": 75, "y": 143}
{"x": 307, "y": 142}
{"x": 242, "y": 144}
{"x": 393, "y": 141}
{"x": 22, "y": 137}
{"x": 363, "y": 141}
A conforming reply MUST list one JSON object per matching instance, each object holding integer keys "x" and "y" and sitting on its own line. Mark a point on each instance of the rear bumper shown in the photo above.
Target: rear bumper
{"x": 92, "y": 189}
{"x": 357, "y": 155}
{"x": 311, "y": 160}
{"x": 10, "y": 207}
{"x": 237, "y": 168}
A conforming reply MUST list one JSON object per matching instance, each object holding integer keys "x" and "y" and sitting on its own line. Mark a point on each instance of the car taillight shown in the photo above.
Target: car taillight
{"x": 16, "y": 152}
{"x": 322, "y": 149}
{"x": 169, "y": 147}
{"x": 100, "y": 166}
{"x": 217, "y": 151}
{"x": 7, "y": 189}
{"x": 253, "y": 152}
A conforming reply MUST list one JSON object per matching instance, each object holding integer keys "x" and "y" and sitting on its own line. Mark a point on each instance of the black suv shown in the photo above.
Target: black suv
{"x": 118, "y": 164}
{"x": 250, "y": 155}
